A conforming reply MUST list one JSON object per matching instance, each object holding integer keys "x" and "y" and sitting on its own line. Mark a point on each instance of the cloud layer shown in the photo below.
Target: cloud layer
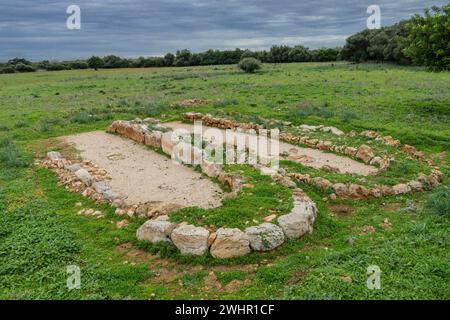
{"x": 36, "y": 29}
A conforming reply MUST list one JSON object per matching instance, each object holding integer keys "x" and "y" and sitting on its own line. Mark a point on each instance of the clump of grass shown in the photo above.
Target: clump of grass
{"x": 82, "y": 118}
{"x": 306, "y": 109}
{"x": 10, "y": 155}
{"x": 4, "y": 128}
{"x": 20, "y": 124}
{"x": 438, "y": 202}
{"x": 223, "y": 103}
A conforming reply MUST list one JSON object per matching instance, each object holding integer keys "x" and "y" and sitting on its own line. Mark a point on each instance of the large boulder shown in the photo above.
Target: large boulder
{"x": 168, "y": 142}
{"x": 135, "y": 132}
{"x": 84, "y": 176}
{"x": 155, "y": 231}
{"x": 153, "y": 139}
{"x": 365, "y": 153}
{"x": 295, "y": 225}
{"x": 265, "y": 237}
{"x": 230, "y": 243}
{"x": 190, "y": 240}
{"x": 401, "y": 188}
{"x": 211, "y": 169}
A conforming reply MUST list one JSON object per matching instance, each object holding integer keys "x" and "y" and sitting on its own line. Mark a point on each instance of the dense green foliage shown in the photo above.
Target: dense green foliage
{"x": 429, "y": 39}
{"x": 385, "y": 44}
{"x": 421, "y": 40}
{"x": 249, "y": 65}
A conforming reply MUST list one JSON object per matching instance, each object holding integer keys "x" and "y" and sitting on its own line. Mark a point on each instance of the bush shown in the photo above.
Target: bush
{"x": 249, "y": 65}
{"x": 10, "y": 155}
{"x": 428, "y": 41}
{"x": 438, "y": 202}
{"x": 21, "y": 67}
{"x": 8, "y": 69}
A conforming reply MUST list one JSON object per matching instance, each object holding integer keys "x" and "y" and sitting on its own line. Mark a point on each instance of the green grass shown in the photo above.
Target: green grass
{"x": 41, "y": 233}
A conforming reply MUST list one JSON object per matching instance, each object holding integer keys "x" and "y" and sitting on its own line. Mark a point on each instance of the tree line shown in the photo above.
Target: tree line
{"x": 421, "y": 40}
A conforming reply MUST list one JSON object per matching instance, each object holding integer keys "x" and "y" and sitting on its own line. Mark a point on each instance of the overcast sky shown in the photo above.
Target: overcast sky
{"x": 36, "y": 29}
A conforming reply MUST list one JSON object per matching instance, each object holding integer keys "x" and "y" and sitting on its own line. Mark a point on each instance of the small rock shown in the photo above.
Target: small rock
{"x": 54, "y": 156}
{"x": 270, "y": 218}
{"x": 122, "y": 223}
{"x": 73, "y": 167}
{"x": 84, "y": 176}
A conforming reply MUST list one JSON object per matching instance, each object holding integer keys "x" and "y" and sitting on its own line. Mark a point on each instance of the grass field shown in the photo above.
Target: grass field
{"x": 41, "y": 233}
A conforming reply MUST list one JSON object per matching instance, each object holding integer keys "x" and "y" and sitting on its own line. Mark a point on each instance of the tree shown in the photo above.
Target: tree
{"x": 21, "y": 67}
{"x": 95, "y": 62}
{"x": 183, "y": 58}
{"x": 279, "y": 54}
{"x": 169, "y": 59}
{"x": 16, "y": 61}
{"x": 249, "y": 65}
{"x": 299, "y": 54}
{"x": 428, "y": 40}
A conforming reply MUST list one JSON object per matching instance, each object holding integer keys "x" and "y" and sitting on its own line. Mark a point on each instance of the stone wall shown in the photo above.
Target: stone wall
{"x": 364, "y": 153}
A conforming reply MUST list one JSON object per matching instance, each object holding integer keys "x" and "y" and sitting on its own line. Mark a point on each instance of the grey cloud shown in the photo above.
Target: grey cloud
{"x": 36, "y": 29}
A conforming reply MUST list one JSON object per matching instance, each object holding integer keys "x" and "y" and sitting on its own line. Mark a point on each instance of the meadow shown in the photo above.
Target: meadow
{"x": 41, "y": 233}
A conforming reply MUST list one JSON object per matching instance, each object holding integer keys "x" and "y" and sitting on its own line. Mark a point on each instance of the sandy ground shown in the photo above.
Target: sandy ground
{"x": 309, "y": 157}
{"x": 144, "y": 175}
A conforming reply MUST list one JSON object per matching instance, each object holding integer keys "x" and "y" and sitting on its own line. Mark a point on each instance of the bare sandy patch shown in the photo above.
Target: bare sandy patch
{"x": 143, "y": 175}
{"x": 307, "y": 156}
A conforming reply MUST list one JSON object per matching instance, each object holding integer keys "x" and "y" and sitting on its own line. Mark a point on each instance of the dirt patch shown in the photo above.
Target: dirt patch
{"x": 341, "y": 210}
{"x": 143, "y": 175}
{"x": 307, "y": 156}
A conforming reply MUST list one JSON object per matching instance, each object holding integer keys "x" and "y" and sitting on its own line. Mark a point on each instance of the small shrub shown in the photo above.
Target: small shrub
{"x": 10, "y": 155}
{"x": 82, "y": 117}
{"x": 249, "y": 65}
{"x": 225, "y": 103}
{"x": 438, "y": 202}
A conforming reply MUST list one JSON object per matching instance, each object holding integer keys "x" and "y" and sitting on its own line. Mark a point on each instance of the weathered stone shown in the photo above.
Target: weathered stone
{"x": 401, "y": 188}
{"x": 155, "y": 231}
{"x": 168, "y": 143}
{"x": 230, "y": 243}
{"x": 73, "y": 167}
{"x": 111, "y": 195}
{"x": 322, "y": 183}
{"x": 211, "y": 169}
{"x": 84, "y": 176}
{"x": 295, "y": 225}
{"x": 350, "y": 151}
{"x": 135, "y": 132}
{"x": 376, "y": 161}
{"x": 340, "y": 189}
{"x": 416, "y": 186}
{"x": 100, "y": 186}
{"x": 190, "y": 240}
{"x": 270, "y": 218}
{"x": 387, "y": 190}
{"x": 54, "y": 156}
{"x": 365, "y": 153}
{"x": 153, "y": 139}
{"x": 265, "y": 237}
